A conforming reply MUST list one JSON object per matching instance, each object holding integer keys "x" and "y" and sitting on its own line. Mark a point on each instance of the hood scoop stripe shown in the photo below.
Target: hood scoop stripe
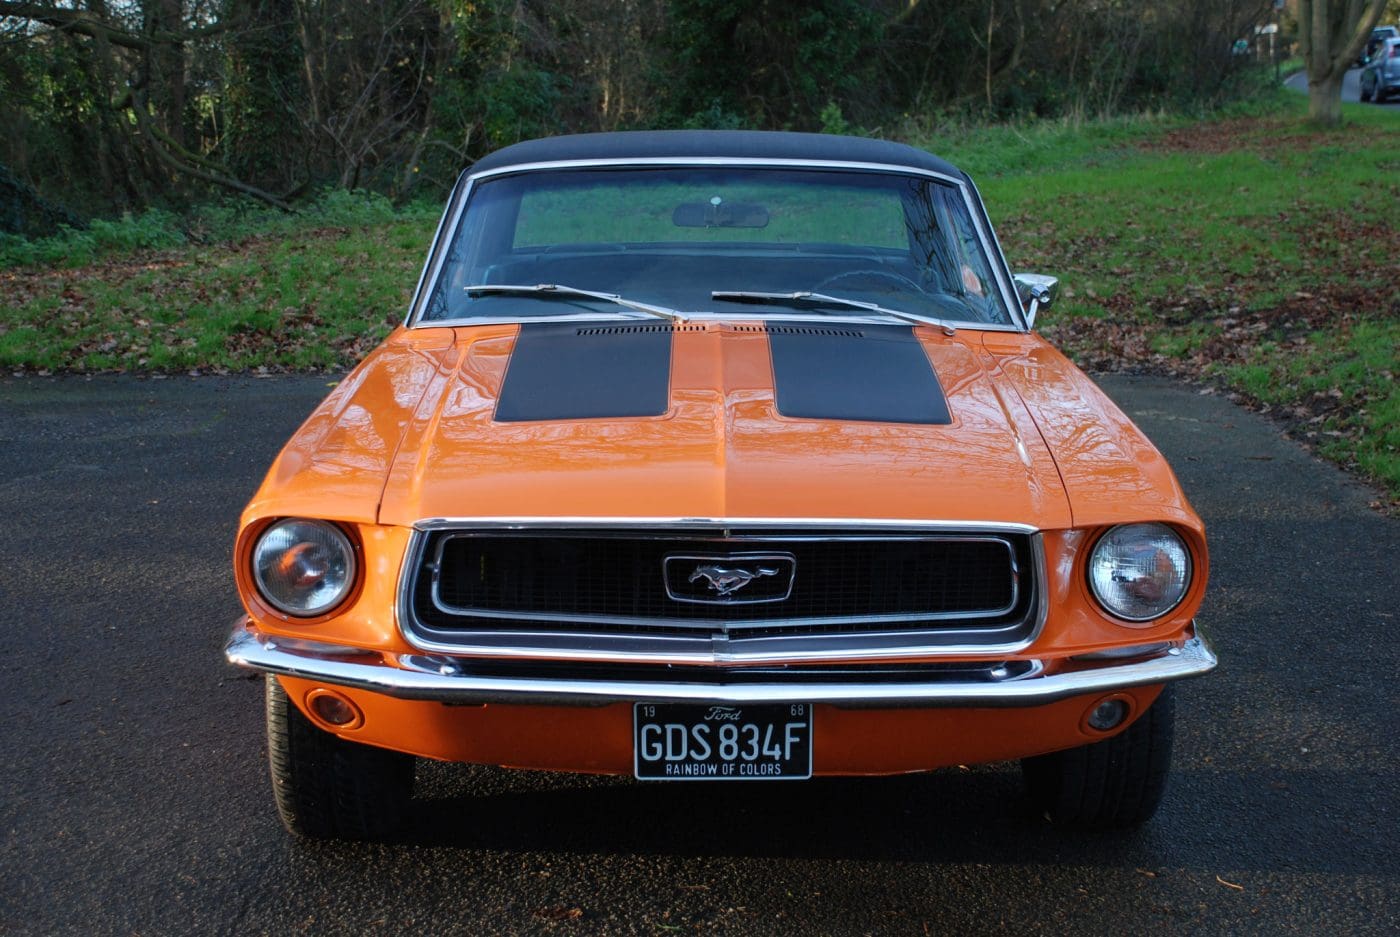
{"x": 559, "y": 371}
{"x": 880, "y": 374}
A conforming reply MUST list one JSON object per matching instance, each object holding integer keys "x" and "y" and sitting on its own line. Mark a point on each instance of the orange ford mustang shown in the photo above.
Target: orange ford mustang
{"x": 718, "y": 456}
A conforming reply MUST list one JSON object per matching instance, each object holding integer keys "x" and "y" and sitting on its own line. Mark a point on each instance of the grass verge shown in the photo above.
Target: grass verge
{"x": 1244, "y": 250}
{"x": 1247, "y": 252}
{"x": 317, "y": 290}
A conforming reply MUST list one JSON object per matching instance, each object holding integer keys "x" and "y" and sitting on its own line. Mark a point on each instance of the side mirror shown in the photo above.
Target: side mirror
{"x": 1037, "y": 292}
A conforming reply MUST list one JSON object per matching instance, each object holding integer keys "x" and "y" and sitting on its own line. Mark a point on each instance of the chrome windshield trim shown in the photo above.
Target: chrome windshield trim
{"x": 450, "y": 680}
{"x": 692, "y": 317}
{"x": 435, "y": 246}
{"x": 971, "y": 198}
{"x": 622, "y": 162}
{"x": 977, "y": 208}
{"x": 437, "y": 254}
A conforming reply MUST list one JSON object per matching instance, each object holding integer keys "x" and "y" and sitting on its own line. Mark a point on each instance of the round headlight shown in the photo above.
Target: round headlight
{"x": 1140, "y": 571}
{"x": 304, "y": 568}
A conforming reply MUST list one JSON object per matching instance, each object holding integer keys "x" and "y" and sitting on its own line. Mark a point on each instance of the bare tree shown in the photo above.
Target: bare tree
{"x": 136, "y": 54}
{"x": 1331, "y": 33}
{"x": 609, "y": 42}
{"x": 366, "y": 69}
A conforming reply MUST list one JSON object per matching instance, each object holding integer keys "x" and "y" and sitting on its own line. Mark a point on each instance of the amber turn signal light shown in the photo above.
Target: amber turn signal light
{"x": 335, "y": 710}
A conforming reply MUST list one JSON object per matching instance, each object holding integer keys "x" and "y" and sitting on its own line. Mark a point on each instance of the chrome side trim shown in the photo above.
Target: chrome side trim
{"x": 450, "y": 680}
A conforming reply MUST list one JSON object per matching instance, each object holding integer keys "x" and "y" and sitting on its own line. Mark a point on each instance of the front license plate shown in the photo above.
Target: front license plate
{"x": 703, "y": 742}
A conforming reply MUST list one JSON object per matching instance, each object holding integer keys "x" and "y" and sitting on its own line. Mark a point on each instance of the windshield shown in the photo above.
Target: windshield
{"x": 673, "y": 236}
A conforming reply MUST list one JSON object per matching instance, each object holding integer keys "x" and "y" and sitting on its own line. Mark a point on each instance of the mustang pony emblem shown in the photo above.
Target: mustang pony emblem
{"x": 726, "y": 580}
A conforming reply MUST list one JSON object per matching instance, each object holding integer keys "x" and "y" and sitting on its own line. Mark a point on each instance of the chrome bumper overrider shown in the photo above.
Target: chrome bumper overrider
{"x": 450, "y": 680}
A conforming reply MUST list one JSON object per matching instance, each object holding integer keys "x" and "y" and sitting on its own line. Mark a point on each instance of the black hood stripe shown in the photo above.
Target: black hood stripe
{"x": 880, "y": 373}
{"x": 559, "y": 371}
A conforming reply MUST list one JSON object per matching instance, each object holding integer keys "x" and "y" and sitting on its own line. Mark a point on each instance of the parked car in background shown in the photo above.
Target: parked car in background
{"x": 720, "y": 456}
{"x": 1381, "y": 76}
{"x": 1378, "y": 35}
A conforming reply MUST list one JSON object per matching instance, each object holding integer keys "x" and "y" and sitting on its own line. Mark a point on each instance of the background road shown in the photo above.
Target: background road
{"x": 134, "y": 798}
{"x": 1351, "y": 87}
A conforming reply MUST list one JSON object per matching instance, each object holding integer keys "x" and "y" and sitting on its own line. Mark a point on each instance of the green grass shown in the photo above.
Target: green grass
{"x": 1183, "y": 342}
{"x": 1351, "y": 374}
{"x": 1248, "y": 250}
{"x": 306, "y": 299}
{"x": 1037, "y": 146}
{"x": 1156, "y": 224}
{"x": 158, "y": 229}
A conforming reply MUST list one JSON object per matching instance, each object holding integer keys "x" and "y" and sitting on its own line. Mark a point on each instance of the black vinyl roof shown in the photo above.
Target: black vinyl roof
{"x": 683, "y": 144}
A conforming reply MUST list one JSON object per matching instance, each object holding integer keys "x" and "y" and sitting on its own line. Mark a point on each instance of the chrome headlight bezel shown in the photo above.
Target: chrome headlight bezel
{"x": 333, "y": 572}
{"x": 1164, "y": 544}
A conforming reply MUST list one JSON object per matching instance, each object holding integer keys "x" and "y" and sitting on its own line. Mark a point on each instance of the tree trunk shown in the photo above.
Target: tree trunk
{"x": 1325, "y": 100}
{"x": 1330, "y": 34}
{"x": 165, "y": 66}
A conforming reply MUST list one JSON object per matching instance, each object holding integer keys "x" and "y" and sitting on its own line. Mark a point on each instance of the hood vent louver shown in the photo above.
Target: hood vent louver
{"x": 660, "y": 327}
{"x": 800, "y": 330}
{"x": 638, "y": 329}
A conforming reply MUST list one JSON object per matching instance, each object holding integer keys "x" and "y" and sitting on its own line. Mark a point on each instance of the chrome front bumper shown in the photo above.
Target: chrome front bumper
{"x": 451, "y": 680}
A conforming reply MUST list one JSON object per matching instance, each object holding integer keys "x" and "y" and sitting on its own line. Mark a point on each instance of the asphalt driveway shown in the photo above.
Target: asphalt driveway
{"x": 134, "y": 798}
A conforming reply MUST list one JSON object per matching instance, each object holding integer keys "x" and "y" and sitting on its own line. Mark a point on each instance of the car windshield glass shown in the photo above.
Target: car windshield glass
{"x": 673, "y": 236}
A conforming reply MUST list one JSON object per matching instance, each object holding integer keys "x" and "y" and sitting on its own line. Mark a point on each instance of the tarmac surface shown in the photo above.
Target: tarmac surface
{"x": 1351, "y": 87}
{"x": 134, "y": 796}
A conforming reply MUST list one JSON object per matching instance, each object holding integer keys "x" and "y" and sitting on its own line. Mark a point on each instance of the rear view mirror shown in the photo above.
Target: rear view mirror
{"x": 717, "y": 213}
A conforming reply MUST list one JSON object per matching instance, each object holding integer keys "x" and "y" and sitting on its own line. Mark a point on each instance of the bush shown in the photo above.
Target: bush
{"x": 70, "y": 247}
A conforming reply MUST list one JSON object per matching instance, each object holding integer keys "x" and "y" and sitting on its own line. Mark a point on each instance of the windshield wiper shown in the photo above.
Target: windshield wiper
{"x": 555, "y": 289}
{"x": 822, "y": 299}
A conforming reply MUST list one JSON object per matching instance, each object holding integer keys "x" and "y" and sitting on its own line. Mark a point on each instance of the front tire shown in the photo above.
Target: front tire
{"x": 1113, "y": 784}
{"x": 328, "y": 788}
{"x": 1365, "y": 95}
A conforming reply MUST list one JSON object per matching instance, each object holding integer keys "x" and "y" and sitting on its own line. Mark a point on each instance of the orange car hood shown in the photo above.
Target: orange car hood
{"x": 409, "y": 435}
{"x": 721, "y": 451}
{"x": 1110, "y": 469}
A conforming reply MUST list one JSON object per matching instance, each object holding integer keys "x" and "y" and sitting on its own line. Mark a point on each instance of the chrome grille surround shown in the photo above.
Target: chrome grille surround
{"x": 705, "y": 642}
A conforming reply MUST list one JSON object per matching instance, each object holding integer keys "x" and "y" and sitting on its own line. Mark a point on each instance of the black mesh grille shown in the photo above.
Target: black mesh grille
{"x": 618, "y": 583}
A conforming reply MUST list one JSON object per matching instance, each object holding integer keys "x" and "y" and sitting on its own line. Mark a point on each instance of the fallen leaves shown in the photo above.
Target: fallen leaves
{"x": 287, "y": 303}
{"x": 1299, "y": 357}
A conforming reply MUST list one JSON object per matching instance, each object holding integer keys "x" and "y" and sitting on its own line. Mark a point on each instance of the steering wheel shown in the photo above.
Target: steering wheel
{"x": 887, "y": 276}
